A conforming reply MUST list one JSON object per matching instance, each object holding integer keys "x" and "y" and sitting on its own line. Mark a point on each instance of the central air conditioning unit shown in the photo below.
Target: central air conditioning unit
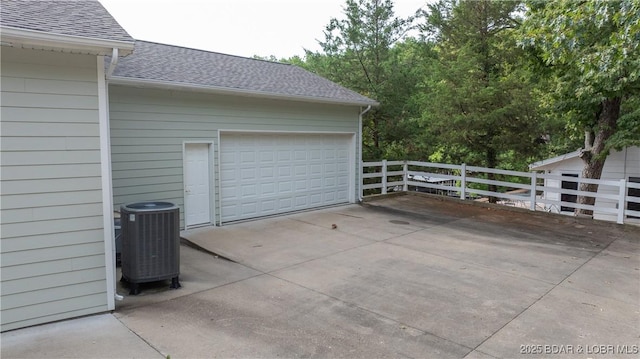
{"x": 150, "y": 243}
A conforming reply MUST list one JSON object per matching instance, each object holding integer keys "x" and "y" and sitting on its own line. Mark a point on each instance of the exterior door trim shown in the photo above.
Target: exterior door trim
{"x": 212, "y": 207}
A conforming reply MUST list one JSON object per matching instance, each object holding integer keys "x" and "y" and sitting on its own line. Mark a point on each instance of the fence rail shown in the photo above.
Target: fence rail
{"x": 535, "y": 191}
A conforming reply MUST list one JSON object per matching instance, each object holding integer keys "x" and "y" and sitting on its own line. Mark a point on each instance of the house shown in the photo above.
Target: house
{"x": 619, "y": 165}
{"x": 92, "y": 119}
{"x": 230, "y": 138}
{"x": 56, "y": 245}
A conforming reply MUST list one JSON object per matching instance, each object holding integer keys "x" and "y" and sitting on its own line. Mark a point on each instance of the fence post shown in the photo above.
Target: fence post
{"x": 534, "y": 183}
{"x": 621, "y": 200}
{"x": 361, "y": 184}
{"x": 384, "y": 176}
{"x": 463, "y": 181}
{"x": 405, "y": 176}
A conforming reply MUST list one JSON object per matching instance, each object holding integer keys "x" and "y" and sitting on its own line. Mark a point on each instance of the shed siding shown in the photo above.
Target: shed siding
{"x": 52, "y": 246}
{"x": 149, "y": 127}
{"x": 619, "y": 165}
{"x": 570, "y": 166}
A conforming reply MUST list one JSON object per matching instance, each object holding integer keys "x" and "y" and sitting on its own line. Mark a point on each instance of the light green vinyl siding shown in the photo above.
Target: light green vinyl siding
{"x": 149, "y": 127}
{"x": 52, "y": 246}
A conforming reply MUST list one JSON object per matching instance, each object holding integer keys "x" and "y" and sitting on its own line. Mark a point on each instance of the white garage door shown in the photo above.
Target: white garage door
{"x": 265, "y": 174}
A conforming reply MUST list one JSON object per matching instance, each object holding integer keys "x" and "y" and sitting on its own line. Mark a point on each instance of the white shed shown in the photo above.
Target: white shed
{"x": 619, "y": 165}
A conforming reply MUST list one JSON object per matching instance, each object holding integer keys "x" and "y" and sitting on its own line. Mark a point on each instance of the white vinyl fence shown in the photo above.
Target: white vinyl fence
{"x": 535, "y": 191}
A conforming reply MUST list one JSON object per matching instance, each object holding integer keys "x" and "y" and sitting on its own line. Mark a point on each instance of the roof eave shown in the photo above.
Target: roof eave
{"x": 542, "y": 165}
{"x": 25, "y": 38}
{"x": 169, "y": 85}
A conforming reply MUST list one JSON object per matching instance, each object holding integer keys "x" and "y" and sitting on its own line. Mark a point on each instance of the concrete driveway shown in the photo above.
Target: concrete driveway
{"x": 406, "y": 276}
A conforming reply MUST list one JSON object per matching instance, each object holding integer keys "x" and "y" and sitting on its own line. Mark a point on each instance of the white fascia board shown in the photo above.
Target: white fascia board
{"x": 169, "y": 85}
{"x": 17, "y": 37}
{"x": 537, "y": 166}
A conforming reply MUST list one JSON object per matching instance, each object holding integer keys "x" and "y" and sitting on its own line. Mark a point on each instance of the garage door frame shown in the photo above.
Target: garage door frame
{"x": 352, "y": 159}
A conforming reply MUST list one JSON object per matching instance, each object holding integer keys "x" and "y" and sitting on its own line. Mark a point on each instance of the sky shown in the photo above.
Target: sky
{"x": 282, "y": 28}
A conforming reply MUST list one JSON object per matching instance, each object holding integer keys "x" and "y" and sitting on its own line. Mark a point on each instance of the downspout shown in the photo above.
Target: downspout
{"x": 113, "y": 63}
{"x": 360, "y": 169}
{"x": 112, "y": 254}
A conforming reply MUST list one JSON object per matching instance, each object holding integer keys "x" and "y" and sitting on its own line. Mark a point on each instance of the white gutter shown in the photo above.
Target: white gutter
{"x": 170, "y": 85}
{"x": 114, "y": 62}
{"x": 18, "y": 37}
{"x": 360, "y": 169}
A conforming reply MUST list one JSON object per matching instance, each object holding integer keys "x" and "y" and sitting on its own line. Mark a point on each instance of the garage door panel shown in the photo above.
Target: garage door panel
{"x": 284, "y": 187}
{"x": 285, "y": 203}
{"x": 268, "y": 205}
{"x": 284, "y": 172}
{"x": 329, "y": 154}
{"x": 267, "y": 157}
{"x": 284, "y": 155}
{"x": 301, "y": 201}
{"x": 300, "y": 155}
{"x": 329, "y": 196}
{"x": 249, "y": 190}
{"x": 230, "y": 209}
{"x": 229, "y": 157}
{"x": 315, "y": 183}
{"x": 315, "y": 169}
{"x": 301, "y": 185}
{"x": 268, "y": 189}
{"x": 330, "y": 168}
{"x": 315, "y": 155}
{"x": 248, "y": 174}
{"x": 265, "y": 174}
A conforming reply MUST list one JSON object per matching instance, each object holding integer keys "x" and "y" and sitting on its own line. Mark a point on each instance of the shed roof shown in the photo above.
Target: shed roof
{"x": 167, "y": 65}
{"x": 549, "y": 163}
{"x": 80, "y": 18}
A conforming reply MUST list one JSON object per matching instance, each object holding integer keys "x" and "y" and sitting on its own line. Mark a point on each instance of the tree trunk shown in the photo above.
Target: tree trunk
{"x": 376, "y": 133}
{"x": 593, "y": 155}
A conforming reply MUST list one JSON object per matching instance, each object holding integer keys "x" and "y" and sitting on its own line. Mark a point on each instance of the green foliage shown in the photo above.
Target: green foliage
{"x": 592, "y": 52}
{"x": 490, "y": 83}
{"x": 295, "y": 60}
{"x": 480, "y": 103}
{"x": 628, "y": 133}
{"x": 366, "y": 51}
{"x": 598, "y": 41}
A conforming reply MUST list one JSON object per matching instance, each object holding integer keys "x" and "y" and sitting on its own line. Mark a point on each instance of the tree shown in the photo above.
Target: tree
{"x": 358, "y": 53}
{"x": 592, "y": 49}
{"x": 480, "y": 103}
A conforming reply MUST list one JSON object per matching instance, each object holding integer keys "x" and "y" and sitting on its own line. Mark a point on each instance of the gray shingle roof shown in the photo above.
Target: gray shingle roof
{"x": 85, "y": 18}
{"x": 185, "y": 66}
